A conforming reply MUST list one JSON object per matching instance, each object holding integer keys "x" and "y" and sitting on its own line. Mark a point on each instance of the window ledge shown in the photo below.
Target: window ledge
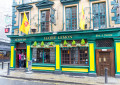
{"x": 75, "y": 66}
{"x": 40, "y": 64}
{"x": 66, "y": 1}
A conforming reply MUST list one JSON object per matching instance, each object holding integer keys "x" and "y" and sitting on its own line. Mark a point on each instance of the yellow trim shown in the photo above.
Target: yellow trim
{"x": 43, "y": 68}
{"x": 75, "y": 69}
{"x": 92, "y": 60}
{"x": 57, "y": 57}
{"x": 28, "y": 54}
{"x": 12, "y": 56}
{"x": 118, "y": 56}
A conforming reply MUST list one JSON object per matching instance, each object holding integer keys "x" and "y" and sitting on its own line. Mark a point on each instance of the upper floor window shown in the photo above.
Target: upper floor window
{"x": 22, "y": 15}
{"x": 99, "y": 15}
{"x": 71, "y": 18}
{"x": 118, "y": 11}
{"x": 45, "y": 21}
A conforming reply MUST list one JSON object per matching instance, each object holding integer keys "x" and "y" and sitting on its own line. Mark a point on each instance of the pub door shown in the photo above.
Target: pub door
{"x": 105, "y": 59}
{"x": 20, "y": 48}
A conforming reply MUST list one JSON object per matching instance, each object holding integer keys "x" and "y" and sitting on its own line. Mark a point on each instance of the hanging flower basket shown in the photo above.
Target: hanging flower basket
{"x": 73, "y": 43}
{"x": 51, "y": 46}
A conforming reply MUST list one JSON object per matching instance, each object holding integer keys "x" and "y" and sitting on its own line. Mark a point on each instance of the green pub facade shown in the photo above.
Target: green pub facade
{"x": 59, "y": 45}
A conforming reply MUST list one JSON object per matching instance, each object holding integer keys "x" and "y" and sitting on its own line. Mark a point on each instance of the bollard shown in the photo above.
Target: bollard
{"x": 106, "y": 76}
{"x": 8, "y": 72}
{"x": 2, "y": 65}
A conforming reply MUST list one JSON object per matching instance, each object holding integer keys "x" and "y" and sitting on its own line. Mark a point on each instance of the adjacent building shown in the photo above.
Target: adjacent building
{"x": 56, "y": 42}
{"x": 4, "y": 51}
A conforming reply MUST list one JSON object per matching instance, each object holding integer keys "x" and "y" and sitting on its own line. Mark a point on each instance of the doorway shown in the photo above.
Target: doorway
{"x": 21, "y": 49}
{"x": 105, "y": 59}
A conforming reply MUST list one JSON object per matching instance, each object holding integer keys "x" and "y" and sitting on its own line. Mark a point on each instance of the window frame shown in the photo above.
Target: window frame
{"x": 70, "y": 18}
{"x": 40, "y": 11}
{"x": 20, "y": 20}
{"x": 43, "y": 52}
{"x": 99, "y": 23}
{"x": 79, "y": 62}
{"x": 118, "y": 17}
{"x": 64, "y": 16}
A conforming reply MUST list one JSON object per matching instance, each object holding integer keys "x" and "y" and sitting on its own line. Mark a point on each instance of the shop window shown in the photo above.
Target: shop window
{"x": 43, "y": 55}
{"x": 104, "y": 43}
{"x": 45, "y": 21}
{"x": 99, "y": 15}
{"x": 71, "y": 18}
{"x": 118, "y": 11}
{"x": 75, "y": 56}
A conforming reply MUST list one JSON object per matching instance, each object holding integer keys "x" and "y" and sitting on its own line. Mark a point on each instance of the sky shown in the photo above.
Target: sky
{"x": 5, "y": 9}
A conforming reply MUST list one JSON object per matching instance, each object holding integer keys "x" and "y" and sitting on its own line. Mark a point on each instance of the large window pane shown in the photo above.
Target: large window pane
{"x": 74, "y": 56}
{"x": 71, "y": 18}
{"x": 83, "y": 53}
{"x": 99, "y": 15}
{"x": 45, "y": 16}
{"x": 118, "y": 12}
{"x": 43, "y": 55}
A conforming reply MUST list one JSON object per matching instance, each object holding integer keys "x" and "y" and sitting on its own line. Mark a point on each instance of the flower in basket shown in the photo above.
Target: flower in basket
{"x": 42, "y": 44}
{"x": 73, "y": 43}
{"x": 83, "y": 42}
{"x": 35, "y": 44}
{"x": 51, "y": 44}
{"x": 65, "y": 43}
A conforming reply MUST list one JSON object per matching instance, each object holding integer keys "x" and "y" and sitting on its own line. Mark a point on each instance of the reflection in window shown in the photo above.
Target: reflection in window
{"x": 45, "y": 16}
{"x": 118, "y": 11}
{"x": 71, "y": 18}
{"x": 99, "y": 15}
{"x": 43, "y": 55}
{"x": 75, "y": 56}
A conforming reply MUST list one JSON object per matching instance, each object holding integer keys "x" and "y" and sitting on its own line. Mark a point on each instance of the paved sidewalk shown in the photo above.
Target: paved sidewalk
{"x": 63, "y": 78}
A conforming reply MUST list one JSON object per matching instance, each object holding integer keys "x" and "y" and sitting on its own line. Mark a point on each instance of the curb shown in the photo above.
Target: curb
{"x": 45, "y": 80}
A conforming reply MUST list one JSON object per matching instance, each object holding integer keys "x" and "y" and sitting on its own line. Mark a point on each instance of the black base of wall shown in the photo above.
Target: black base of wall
{"x": 92, "y": 74}
{"x": 117, "y": 75}
{"x": 76, "y": 74}
{"x": 57, "y": 72}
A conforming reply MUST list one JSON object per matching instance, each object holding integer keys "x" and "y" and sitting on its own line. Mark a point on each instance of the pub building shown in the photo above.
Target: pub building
{"x": 83, "y": 52}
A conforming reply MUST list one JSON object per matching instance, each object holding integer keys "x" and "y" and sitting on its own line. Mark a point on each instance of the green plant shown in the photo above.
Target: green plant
{"x": 73, "y": 42}
{"x": 65, "y": 42}
{"x": 42, "y": 43}
{"x": 51, "y": 43}
{"x": 35, "y": 43}
{"x": 82, "y": 42}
